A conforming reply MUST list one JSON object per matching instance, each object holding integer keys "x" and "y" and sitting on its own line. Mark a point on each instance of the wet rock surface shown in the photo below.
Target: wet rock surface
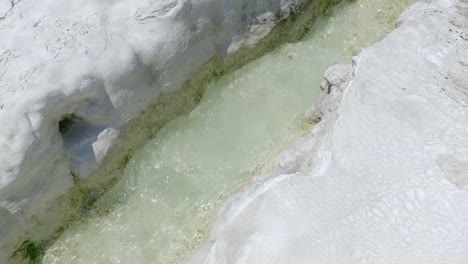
{"x": 100, "y": 63}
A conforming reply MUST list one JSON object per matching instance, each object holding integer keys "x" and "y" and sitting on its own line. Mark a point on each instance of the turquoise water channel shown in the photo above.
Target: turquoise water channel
{"x": 161, "y": 210}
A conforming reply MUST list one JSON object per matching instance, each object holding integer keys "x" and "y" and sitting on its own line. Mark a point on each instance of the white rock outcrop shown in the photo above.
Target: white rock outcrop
{"x": 99, "y": 63}
{"x": 383, "y": 178}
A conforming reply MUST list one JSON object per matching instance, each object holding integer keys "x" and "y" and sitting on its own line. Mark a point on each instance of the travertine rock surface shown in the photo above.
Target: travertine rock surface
{"x": 383, "y": 178}
{"x": 95, "y": 65}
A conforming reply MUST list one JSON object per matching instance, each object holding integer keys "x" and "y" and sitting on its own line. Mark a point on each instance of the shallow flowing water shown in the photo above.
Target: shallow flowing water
{"x": 161, "y": 211}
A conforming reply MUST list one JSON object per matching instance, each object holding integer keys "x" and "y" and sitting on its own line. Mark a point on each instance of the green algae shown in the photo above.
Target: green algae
{"x": 78, "y": 203}
{"x": 83, "y": 198}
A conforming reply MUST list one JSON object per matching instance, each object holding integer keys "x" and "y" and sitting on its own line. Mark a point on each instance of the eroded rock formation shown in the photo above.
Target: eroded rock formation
{"x": 72, "y": 73}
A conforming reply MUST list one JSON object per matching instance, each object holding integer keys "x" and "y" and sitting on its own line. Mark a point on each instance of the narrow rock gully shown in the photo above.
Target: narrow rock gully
{"x": 161, "y": 210}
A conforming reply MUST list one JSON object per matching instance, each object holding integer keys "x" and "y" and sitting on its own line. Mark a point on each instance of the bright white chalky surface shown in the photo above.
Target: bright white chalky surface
{"x": 382, "y": 179}
{"x": 101, "y": 61}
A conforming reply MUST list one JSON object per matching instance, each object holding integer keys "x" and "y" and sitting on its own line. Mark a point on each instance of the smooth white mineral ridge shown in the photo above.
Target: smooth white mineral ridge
{"x": 383, "y": 178}
{"x": 103, "y": 62}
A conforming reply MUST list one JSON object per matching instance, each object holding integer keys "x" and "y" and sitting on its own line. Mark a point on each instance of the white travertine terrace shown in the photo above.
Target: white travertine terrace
{"x": 101, "y": 62}
{"x": 383, "y": 178}
{"x": 161, "y": 209}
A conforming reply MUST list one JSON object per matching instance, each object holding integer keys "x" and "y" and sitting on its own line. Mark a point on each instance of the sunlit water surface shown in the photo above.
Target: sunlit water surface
{"x": 161, "y": 211}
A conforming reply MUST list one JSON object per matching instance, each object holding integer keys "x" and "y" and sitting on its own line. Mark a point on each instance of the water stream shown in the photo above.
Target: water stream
{"x": 161, "y": 211}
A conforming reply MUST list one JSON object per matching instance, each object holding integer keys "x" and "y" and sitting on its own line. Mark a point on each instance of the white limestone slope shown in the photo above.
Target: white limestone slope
{"x": 383, "y": 178}
{"x": 101, "y": 62}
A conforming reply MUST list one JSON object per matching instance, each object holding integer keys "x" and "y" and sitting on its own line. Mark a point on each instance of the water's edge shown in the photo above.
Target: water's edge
{"x": 165, "y": 108}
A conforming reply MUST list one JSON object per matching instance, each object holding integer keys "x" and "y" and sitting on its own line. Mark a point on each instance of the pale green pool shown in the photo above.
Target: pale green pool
{"x": 161, "y": 210}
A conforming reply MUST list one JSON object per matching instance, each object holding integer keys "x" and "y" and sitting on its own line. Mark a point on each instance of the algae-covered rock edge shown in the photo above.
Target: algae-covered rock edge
{"x": 74, "y": 205}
